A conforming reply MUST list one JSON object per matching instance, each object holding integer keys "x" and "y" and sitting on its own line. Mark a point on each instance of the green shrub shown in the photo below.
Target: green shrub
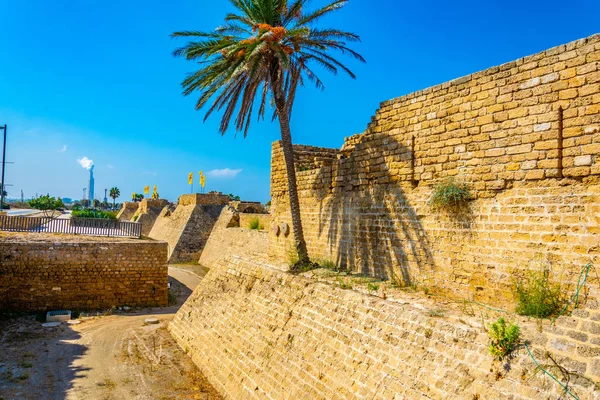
{"x": 135, "y": 218}
{"x": 450, "y": 195}
{"x": 94, "y": 214}
{"x": 503, "y": 338}
{"x": 255, "y": 224}
{"x": 537, "y": 296}
{"x": 372, "y": 287}
{"x": 328, "y": 264}
{"x": 172, "y": 297}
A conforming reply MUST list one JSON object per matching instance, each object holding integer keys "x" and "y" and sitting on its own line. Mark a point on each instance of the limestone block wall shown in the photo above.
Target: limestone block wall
{"x": 524, "y": 136}
{"x": 148, "y": 212}
{"x": 187, "y": 228}
{"x": 229, "y": 236}
{"x": 127, "y": 211}
{"x": 63, "y": 272}
{"x": 264, "y": 219}
{"x": 259, "y": 333}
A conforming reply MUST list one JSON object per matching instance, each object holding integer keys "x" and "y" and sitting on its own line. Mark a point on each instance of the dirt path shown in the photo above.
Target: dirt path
{"x": 107, "y": 357}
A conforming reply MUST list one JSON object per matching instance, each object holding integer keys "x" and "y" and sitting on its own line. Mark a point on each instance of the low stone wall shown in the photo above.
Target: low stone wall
{"x": 227, "y": 237}
{"x": 259, "y": 333}
{"x": 43, "y": 272}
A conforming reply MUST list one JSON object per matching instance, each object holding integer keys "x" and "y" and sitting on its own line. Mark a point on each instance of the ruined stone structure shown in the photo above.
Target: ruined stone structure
{"x": 127, "y": 211}
{"x": 259, "y": 333}
{"x": 148, "y": 212}
{"x": 47, "y": 272}
{"x": 230, "y": 235}
{"x": 187, "y": 228}
{"x": 524, "y": 136}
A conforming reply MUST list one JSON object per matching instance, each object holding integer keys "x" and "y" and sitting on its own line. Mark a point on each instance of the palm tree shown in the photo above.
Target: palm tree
{"x": 114, "y": 193}
{"x": 263, "y": 52}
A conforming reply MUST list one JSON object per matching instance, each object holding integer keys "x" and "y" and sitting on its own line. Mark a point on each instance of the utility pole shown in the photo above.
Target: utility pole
{"x": 2, "y": 185}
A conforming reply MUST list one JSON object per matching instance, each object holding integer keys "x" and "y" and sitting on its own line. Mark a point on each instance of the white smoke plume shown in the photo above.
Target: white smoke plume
{"x": 85, "y": 162}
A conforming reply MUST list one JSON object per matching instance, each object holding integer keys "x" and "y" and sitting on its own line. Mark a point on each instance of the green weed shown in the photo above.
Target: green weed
{"x": 537, "y": 296}
{"x": 503, "y": 338}
{"x": 255, "y": 224}
{"x": 450, "y": 195}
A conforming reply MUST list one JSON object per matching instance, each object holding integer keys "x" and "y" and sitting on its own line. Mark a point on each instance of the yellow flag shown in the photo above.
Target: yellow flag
{"x": 202, "y": 179}
{"x": 155, "y": 193}
{"x": 146, "y": 189}
{"x": 133, "y": 196}
{"x": 190, "y": 178}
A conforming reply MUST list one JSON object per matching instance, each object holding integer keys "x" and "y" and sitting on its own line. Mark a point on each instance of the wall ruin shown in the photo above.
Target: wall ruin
{"x": 230, "y": 236}
{"x": 127, "y": 211}
{"x": 259, "y": 333}
{"x": 524, "y": 136}
{"x": 41, "y": 272}
{"x": 187, "y": 228}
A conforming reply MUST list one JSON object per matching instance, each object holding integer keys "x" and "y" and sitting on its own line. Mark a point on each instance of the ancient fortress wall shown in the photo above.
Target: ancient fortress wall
{"x": 148, "y": 212}
{"x": 127, "y": 211}
{"x": 229, "y": 236}
{"x": 187, "y": 228}
{"x": 524, "y": 136}
{"x": 260, "y": 333}
{"x": 75, "y": 273}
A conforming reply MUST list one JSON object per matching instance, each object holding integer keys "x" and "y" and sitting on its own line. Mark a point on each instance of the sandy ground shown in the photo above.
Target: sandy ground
{"x": 114, "y": 356}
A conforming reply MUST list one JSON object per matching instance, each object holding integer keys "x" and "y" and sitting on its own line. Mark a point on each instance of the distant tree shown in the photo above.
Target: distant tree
{"x": 137, "y": 197}
{"x": 47, "y": 204}
{"x": 114, "y": 193}
{"x": 96, "y": 203}
{"x": 85, "y": 203}
{"x": 233, "y": 197}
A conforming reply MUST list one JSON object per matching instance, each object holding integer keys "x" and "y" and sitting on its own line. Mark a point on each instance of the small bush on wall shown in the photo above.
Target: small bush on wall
{"x": 450, "y": 195}
{"x": 255, "y": 224}
{"x": 504, "y": 337}
{"x": 537, "y": 296}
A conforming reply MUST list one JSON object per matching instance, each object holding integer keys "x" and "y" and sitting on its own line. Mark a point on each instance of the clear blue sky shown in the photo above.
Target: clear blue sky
{"x": 96, "y": 78}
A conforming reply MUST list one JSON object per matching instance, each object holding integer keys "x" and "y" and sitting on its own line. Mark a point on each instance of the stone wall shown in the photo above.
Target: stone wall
{"x": 47, "y": 272}
{"x": 229, "y": 237}
{"x": 259, "y": 333}
{"x": 524, "y": 136}
{"x": 263, "y": 219}
{"x": 148, "y": 212}
{"x": 187, "y": 228}
{"x": 127, "y": 211}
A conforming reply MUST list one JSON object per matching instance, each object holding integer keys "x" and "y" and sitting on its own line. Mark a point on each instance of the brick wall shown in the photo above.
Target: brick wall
{"x": 45, "y": 272}
{"x": 259, "y": 333}
{"x": 525, "y": 137}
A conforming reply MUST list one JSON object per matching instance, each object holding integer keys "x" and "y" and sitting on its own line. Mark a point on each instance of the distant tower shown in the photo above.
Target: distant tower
{"x": 91, "y": 186}
{"x": 105, "y": 198}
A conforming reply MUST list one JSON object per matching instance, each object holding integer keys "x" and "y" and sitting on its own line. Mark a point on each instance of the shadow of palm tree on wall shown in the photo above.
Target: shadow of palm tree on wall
{"x": 370, "y": 224}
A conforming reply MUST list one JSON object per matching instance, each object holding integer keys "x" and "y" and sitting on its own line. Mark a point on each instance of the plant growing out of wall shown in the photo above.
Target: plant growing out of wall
{"x": 537, "y": 296}
{"x": 503, "y": 338}
{"x": 255, "y": 224}
{"x": 450, "y": 195}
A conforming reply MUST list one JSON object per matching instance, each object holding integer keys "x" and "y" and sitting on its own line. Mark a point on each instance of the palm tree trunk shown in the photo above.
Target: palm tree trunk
{"x": 288, "y": 155}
